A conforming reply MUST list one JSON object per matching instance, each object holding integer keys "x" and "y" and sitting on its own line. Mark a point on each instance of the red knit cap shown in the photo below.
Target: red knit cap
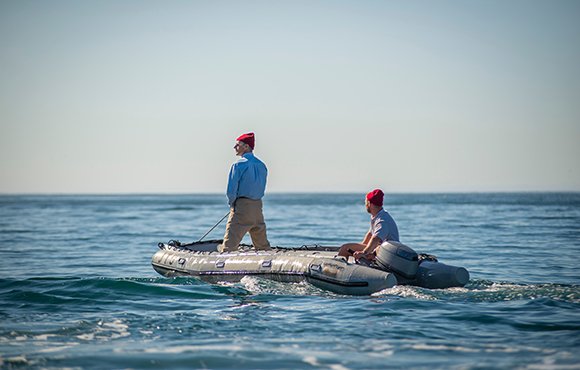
{"x": 248, "y": 139}
{"x": 376, "y": 197}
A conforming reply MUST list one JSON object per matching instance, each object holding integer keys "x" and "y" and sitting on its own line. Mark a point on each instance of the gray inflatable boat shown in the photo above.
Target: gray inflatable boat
{"x": 320, "y": 266}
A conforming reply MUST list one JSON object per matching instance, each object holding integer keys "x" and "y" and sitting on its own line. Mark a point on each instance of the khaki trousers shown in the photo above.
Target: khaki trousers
{"x": 245, "y": 216}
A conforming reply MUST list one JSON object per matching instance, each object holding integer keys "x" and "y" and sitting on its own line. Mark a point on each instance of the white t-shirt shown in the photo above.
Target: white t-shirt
{"x": 384, "y": 227}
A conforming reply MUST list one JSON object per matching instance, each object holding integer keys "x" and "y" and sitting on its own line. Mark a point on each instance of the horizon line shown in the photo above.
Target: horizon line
{"x": 3, "y": 194}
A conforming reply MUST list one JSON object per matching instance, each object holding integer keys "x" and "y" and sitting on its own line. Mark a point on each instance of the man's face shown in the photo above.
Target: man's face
{"x": 240, "y": 147}
{"x": 368, "y": 205}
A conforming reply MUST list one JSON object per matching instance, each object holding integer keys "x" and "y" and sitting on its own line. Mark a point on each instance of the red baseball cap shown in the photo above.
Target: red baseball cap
{"x": 376, "y": 197}
{"x": 248, "y": 139}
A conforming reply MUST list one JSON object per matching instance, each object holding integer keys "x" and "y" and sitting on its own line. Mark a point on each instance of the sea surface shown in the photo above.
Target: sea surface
{"x": 77, "y": 289}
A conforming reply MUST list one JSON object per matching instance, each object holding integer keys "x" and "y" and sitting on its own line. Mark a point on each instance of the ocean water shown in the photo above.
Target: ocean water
{"x": 77, "y": 289}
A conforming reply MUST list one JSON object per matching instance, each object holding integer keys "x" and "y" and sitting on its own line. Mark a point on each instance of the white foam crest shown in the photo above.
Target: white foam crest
{"x": 491, "y": 348}
{"x": 44, "y": 337}
{"x": 512, "y": 349}
{"x": 309, "y": 357}
{"x": 87, "y": 336}
{"x": 337, "y": 367}
{"x": 251, "y": 283}
{"x": 107, "y": 331}
{"x": 510, "y": 291}
{"x": 303, "y": 288}
{"x": 16, "y": 360}
{"x": 43, "y": 342}
{"x": 18, "y": 338}
{"x": 378, "y": 349}
{"x": 260, "y": 285}
{"x": 195, "y": 348}
{"x": 58, "y": 348}
{"x": 405, "y": 291}
{"x": 119, "y": 329}
{"x": 457, "y": 290}
{"x": 496, "y": 287}
{"x": 311, "y": 360}
{"x": 441, "y": 347}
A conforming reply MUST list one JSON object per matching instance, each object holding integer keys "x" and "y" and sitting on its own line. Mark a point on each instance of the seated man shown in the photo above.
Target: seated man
{"x": 383, "y": 228}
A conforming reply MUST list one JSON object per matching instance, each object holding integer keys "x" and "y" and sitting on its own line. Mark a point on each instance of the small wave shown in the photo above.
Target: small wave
{"x": 51, "y": 294}
{"x": 17, "y": 231}
{"x": 69, "y": 334}
{"x": 170, "y": 209}
{"x": 489, "y": 291}
{"x": 405, "y": 291}
{"x": 15, "y": 361}
{"x": 105, "y": 331}
{"x": 262, "y": 286}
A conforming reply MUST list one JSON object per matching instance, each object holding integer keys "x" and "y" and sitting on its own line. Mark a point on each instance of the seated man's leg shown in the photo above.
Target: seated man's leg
{"x": 354, "y": 247}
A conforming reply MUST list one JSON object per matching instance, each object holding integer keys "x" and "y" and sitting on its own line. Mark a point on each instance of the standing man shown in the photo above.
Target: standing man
{"x": 383, "y": 228}
{"x": 246, "y": 186}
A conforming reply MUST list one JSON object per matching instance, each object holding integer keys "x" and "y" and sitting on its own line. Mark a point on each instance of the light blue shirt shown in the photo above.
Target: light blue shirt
{"x": 383, "y": 226}
{"x": 247, "y": 178}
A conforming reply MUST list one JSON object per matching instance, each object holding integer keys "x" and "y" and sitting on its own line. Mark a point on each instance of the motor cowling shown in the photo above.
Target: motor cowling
{"x": 398, "y": 258}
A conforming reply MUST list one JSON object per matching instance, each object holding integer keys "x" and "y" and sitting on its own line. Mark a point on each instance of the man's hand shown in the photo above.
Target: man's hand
{"x": 360, "y": 254}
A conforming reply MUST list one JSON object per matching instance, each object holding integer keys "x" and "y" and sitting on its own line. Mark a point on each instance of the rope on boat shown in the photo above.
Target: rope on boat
{"x": 214, "y": 226}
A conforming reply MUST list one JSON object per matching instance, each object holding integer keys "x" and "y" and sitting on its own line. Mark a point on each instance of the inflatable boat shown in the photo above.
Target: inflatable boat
{"x": 395, "y": 263}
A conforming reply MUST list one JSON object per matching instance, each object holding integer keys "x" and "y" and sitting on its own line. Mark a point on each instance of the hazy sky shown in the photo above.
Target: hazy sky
{"x": 149, "y": 96}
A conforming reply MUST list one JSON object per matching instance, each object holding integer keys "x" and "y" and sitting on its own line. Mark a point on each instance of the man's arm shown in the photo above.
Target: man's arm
{"x": 372, "y": 244}
{"x": 367, "y": 238}
{"x": 233, "y": 184}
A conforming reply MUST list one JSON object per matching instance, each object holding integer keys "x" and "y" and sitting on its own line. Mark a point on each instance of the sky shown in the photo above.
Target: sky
{"x": 137, "y": 96}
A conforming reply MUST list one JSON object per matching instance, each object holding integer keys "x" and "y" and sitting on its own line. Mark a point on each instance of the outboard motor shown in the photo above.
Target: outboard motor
{"x": 398, "y": 258}
{"x": 437, "y": 275}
